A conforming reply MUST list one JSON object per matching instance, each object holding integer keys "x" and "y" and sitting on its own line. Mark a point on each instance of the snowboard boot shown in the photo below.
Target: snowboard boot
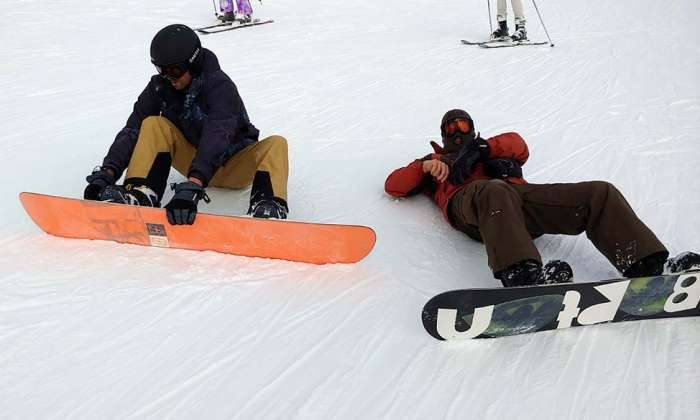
{"x": 269, "y": 208}
{"x": 557, "y": 271}
{"x": 500, "y": 33}
{"x": 520, "y": 34}
{"x": 263, "y": 203}
{"x": 649, "y": 266}
{"x": 134, "y": 195}
{"x": 531, "y": 272}
{"x": 682, "y": 262}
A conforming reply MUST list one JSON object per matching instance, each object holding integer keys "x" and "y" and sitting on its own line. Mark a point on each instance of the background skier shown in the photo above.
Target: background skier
{"x": 191, "y": 116}
{"x": 478, "y": 184}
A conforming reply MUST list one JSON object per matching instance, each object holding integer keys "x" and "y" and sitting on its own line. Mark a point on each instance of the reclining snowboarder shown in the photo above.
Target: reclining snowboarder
{"x": 190, "y": 116}
{"x": 479, "y": 186}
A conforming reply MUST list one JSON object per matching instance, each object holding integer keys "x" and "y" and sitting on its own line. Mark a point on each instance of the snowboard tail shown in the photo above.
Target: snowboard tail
{"x": 490, "y": 313}
{"x": 244, "y": 236}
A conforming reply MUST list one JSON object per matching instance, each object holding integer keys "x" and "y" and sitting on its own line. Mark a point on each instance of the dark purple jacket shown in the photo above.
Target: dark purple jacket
{"x": 210, "y": 113}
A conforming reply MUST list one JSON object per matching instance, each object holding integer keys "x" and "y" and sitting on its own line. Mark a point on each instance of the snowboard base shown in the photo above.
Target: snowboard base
{"x": 490, "y": 313}
{"x": 245, "y": 236}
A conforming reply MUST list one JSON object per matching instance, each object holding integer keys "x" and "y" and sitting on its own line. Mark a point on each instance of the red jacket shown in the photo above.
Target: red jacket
{"x": 411, "y": 179}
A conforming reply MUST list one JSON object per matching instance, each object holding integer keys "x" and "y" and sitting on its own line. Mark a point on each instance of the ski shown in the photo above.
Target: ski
{"x": 499, "y": 312}
{"x": 501, "y": 39}
{"x": 501, "y": 43}
{"x": 229, "y": 26}
{"x": 505, "y": 44}
{"x": 468, "y": 42}
{"x": 213, "y": 25}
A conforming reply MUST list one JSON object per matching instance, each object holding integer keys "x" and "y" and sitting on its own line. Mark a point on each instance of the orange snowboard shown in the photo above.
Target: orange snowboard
{"x": 281, "y": 239}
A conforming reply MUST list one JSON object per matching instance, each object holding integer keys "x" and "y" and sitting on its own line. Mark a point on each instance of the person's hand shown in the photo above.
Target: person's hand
{"x": 478, "y": 145}
{"x": 482, "y": 146}
{"x": 461, "y": 163}
{"x": 437, "y": 169}
{"x": 182, "y": 209}
{"x": 97, "y": 181}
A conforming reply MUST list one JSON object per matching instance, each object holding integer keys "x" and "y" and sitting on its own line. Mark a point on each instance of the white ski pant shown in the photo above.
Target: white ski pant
{"x": 517, "y": 11}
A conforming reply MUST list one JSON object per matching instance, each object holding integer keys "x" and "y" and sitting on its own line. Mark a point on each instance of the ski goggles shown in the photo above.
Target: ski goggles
{"x": 172, "y": 71}
{"x": 458, "y": 124}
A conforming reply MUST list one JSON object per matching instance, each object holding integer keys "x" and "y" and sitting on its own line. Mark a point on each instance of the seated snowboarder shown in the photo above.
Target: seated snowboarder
{"x": 243, "y": 12}
{"x": 479, "y": 186}
{"x": 190, "y": 116}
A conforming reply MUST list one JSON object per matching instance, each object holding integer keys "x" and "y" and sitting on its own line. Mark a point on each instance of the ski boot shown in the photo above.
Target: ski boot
{"x": 531, "y": 272}
{"x": 682, "y": 262}
{"x": 520, "y": 34}
{"x": 227, "y": 17}
{"x": 242, "y": 19}
{"x": 134, "y": 195}
{"x": 501, "y": 33}
{"x": 269, "y": 208}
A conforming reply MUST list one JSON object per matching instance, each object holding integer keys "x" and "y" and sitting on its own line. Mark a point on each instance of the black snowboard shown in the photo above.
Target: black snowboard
{"x": 489, "y": 313}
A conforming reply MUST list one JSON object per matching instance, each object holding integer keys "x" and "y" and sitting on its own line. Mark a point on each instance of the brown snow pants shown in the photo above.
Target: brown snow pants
{"x": 506, "y": 217}
{"x": 159, "y": 135}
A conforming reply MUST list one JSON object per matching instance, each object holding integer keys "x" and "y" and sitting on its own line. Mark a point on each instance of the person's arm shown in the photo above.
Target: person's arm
{"x": 410, "y": 180}
{"x": 120, "y": 152}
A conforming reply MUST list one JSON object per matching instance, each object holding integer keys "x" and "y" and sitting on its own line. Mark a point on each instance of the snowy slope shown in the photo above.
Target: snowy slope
{"x": 102, "y": 330}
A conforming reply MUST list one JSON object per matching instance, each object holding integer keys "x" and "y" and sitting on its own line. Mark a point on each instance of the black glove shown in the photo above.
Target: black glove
{"x": 502, "y": 168}
{"x": 97, "y": 181}
{"x": 182, "y": 209}
{"x": 462, "y": 161}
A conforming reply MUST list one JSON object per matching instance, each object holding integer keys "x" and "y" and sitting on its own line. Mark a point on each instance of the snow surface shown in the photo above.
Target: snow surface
{"x": 102, "y": 330}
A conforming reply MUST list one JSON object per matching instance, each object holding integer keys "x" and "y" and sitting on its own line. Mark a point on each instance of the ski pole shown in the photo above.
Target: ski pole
{"x": 551, "y": 44}
{"x": 215, "y": 11}
{"x": 488, "y": 4}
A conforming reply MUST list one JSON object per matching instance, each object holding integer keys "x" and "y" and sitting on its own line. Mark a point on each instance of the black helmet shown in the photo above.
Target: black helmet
{"x": 177, "y": 45}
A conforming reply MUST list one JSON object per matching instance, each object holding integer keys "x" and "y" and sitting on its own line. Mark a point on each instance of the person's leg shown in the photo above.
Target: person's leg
{"x": 160, "y": 144}
{"x": 596, "y": 208}
{"x": 244, "y": 8}
{"x": 226, "y": 6}
{"x": 265, "y": 164}
{"x": 520, "y": 33}
{"x": 519, "y": 15}
{"x": 501, "y": 20}
{"x": 501, "y": 11}
{"x": 492, "y": 209}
